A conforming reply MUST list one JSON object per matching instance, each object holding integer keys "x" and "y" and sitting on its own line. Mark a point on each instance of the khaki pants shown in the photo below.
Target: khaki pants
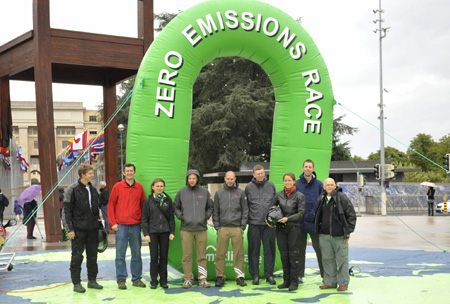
{"x": 237, "y": 241}
{"x": 187, "y": 239}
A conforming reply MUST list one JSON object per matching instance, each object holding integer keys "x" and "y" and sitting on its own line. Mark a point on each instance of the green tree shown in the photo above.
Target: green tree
{"x": 232, "y": 115}
{"x": 391, "y": 154}
{"x": 423, "y": 149}
{"x": 341, "y": 150}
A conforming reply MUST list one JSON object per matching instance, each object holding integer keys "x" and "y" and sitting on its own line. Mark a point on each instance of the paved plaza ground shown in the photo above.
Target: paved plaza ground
{"x": 398, "y": 259}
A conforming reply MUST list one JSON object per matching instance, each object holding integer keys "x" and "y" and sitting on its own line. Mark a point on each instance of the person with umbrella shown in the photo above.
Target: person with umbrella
{"x": 26, "y": 199}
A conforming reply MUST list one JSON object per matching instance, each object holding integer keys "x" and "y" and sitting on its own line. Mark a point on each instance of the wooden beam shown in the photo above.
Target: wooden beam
{"x": 5, "y": 113}
{"x": 17, "y": 59}
{"x": 95, "y": 50}
{"x": 111, "y": 151}
{"x": 145, "y": 23}
{"x": 44, "y": 116}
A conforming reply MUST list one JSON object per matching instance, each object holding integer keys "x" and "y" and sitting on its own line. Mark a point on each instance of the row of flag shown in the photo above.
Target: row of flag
{"x": 76, "y": 147}
{"x": 6, "y": 161}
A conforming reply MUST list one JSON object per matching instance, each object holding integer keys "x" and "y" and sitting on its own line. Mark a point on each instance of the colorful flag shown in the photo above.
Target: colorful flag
{"x": 79, "y": 142}
{"x": 22, "y": 161}
{"x": 97, "y": 147}
{"x": 7, "y": 163}
{"x": 5, "y": 151}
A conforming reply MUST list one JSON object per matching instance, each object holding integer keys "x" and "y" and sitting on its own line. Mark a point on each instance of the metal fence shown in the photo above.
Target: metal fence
{"x": 400, "y": 198}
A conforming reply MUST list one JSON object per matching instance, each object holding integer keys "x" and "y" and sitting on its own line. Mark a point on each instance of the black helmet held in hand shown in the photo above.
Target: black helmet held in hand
{"x": 274, "y": 215}
{"x": 102, "y": 240}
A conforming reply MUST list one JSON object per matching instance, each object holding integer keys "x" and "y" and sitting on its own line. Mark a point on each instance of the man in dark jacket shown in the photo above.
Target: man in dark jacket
{"x": 4, "y": 202}
{"x": 81, "y": 220}
{"x": 103, "y": 199}
{"x": 335, "y": 220}
{"x": 230, "y": 219}
{"x": 430, "y": 196}
{"x": 311, "y": 187}
{"x": 260, "y": 193}
{"x": 193, "y": 206}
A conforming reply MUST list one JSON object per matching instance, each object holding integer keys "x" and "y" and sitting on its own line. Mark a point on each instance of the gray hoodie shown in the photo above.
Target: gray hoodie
{"x": 193, "y": 205}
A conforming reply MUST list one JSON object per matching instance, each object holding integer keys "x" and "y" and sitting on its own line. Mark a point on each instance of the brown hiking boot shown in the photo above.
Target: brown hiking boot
{"x": 139, "y": 283}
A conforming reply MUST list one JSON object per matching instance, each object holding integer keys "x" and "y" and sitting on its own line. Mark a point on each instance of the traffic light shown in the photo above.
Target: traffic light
{"x": 389, "y": 171}
{"x": 361, "y": 181}
{"x": 447, "y": 162}
{"x": 377, "y": 171}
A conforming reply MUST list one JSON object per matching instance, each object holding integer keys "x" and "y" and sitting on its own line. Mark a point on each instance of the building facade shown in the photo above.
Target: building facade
{"x": 70, "y": 118}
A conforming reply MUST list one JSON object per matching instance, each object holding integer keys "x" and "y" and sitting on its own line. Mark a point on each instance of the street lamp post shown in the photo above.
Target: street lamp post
{"x": 121, "y": 128}
{"x": 382, "y": 34}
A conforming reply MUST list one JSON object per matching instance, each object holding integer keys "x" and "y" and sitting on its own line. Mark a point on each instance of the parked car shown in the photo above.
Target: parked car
{"x": 440, "y": 207}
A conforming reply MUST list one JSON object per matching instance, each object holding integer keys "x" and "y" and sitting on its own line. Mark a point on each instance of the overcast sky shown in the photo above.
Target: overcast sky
{"x": 416, "y": 63}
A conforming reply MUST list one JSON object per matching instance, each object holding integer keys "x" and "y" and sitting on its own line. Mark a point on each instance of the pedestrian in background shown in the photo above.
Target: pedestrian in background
{"x": 17, "y": 210}
{"x": 430, "y": 195}
{"x": 103, "y": 199}
{"x": 29, "y": 217}
{"x": 4, "y": 202}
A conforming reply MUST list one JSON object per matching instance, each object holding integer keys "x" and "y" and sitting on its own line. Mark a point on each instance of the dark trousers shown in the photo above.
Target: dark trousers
{"x": 256, "y": 234}
{"x": 30, "y": 226}
{"x": 430, "y": 208}
{"x": 159, "y": 252}
{"x": 287, "y": 240}
{"x": 104, "y": 210}
{"x": 89, "y": 240}
{"x": 303, "y": 240}
{"x": 1, "y": 216}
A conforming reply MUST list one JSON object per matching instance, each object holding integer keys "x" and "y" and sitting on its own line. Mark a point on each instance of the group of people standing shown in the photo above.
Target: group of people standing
{"x": 308, "y": 207}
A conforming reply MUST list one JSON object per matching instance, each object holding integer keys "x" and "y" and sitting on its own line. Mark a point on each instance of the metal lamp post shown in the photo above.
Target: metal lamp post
{"x": 121, "y": 128}
{"x": 382, "y": 34}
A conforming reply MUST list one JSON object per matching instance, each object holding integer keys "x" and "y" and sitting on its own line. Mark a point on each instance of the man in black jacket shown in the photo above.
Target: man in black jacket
{"x": 81, "y": 220}
{"x": 4, "y": 202}
{"x": 335, "y": 220}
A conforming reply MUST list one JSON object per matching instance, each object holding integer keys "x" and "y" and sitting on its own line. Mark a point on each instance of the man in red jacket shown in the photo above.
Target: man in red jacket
{"x": 124, "y": 213}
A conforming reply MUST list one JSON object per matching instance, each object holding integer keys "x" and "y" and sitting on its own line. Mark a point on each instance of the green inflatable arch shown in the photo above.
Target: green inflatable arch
{"x": 161, "y": 107}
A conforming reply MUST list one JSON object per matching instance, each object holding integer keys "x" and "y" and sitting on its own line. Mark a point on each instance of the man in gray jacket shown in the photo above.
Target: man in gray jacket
{"x": 260, "y": 193}
{"x": 230, "y": 219}
{"x": 193, "y": 206}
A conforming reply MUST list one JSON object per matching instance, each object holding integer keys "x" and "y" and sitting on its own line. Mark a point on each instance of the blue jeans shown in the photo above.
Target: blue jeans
{"x": 131, "y": 234}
